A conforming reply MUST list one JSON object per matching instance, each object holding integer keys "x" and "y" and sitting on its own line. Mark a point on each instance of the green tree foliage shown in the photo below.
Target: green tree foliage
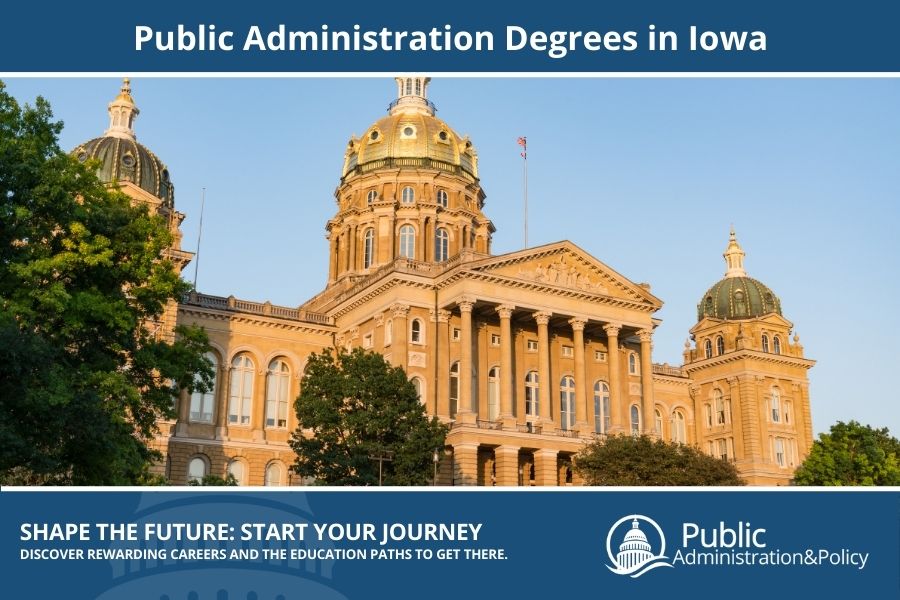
{"x": 215, "y": 480}
{"x": 852, "y": 454}
{"x": 642, "y": 460}
{"x": 357, "y": 407}
{"x": 83, "y": 378}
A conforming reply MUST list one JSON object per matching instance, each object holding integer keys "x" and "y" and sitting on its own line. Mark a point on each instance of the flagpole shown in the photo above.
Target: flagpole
{"x": 525, "y": 177}
{"x": 199, "y": 237}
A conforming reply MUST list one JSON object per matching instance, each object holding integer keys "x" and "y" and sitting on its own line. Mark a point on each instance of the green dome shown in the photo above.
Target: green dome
{"x": 123, "y": 159}
{"x": 736, "y": 298}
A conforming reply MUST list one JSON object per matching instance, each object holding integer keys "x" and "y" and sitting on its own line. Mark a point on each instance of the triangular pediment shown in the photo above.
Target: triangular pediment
{"x": 565, "y": 265}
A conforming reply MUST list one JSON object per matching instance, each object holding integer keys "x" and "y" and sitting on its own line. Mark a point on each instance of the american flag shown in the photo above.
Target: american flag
{"x": 523, "y": 142}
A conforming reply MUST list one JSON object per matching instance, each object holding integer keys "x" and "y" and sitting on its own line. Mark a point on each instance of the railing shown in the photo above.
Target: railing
{"x": 495, "y": 425}
{"x": 233, "y": 304}
{"x": 414, "y": 162}
{"x": 569, "y": 433}
{"x": 665, "y": 369}
{"x": 427, "y": 102}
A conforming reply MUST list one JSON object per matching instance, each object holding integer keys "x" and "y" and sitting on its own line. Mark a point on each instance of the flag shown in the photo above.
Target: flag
{"x": 522, "y": 142}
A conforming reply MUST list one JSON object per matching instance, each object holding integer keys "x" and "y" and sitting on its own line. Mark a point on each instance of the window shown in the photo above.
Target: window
{"x": 632, "y": 364}
{"x": 417, "y": 384}
{"x": 567, "y": 402}
{"x": 495, "y": 339}
{"x": 568, "y": 351}
{"x": 776, "y": 345}
{"x": 707, "y": 349}
{"x": 779, "y": 452}
{"x": 278, "y": 388}
{"x": 273, "y": 475}
{"x": 532, "y": 345}
{"x": 720, "y": 346}
{"x": 409, "y": 87}
{"x": 202, "y": 403}
{"x": 719, "y": 401}
{"x": 707, "y": 409}
{"x": 635, "y": 420}
{"x": 601, "y": 407}
{"x": 368, "y": 341}
{"x": 599, "y": 356}
{"x": 416, "y": 335}
{"x": 237, "y": 470}
{"x": 241, "y": 393}
{"x": 678, "y": 431}
{"x": 442, "y": 198}
{"x": 198, "y": 468}
{"x": 368, "y": 248}
{"x": 532, "y": 401}
{"x": 408, "y": 241}
{"x": 388, "y": 332}
{"x": 493, "y": 393}
{"x": 722, "y": 447}
{"x": 454, "y": 389}
{"x": 408, "y": 195}
{"x": 657, "y": 422}
{"x": 787, "y": 412}
{"x": 371, "y": 196}
{"x": 441, "y": 245}
{"x": 776, "y": 405}
{"x": 456, "y": 334}
{"x": 765, "y": 343}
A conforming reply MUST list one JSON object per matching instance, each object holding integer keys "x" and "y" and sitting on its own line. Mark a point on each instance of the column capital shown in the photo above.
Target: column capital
{"x": 505, "y": 311}
{"x": 466, "y": 303}
{"x": 645, "y": 335}
{"x": 542, "y": 317}
{"x": 400, "y": 310}
{"x": 441, "y": 316}
{"x": 577, "y": 323}
{"x": 612, "y": 329}
{"x": 353, "y": 333}
{"x": 379, "y": 320}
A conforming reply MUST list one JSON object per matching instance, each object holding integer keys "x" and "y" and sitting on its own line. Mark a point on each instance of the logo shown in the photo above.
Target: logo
{"x": 635, "y": 556}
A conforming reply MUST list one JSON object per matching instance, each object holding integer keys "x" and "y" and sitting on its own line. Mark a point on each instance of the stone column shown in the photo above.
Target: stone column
{"x": 647, "y": 404}
{"x": 399, "y": 350}
{"x": 734, "y": 395}
{"x": 806, "y": 422}
{"x": 545, "y": 468}
{"x": 506, "y": 369}
{"x": 353, "y": 243}
{"x": 222, "y": 401}
{"x": 465, "y": 464}
{"x": 378, "y": 335}
{"x": 332, "y": 257}
{"x": 465, "y": 413}
{"x": 258, "y": 409}
{"x": 581, "y": 407}
{"x": 506, "y": 459}
{"x": 442, "y": 362}
{"x": 753, "y": 443}
{"x": 543, "y": 319}
{"x": 183, "y": 413}
{"x": 615, "y": 408}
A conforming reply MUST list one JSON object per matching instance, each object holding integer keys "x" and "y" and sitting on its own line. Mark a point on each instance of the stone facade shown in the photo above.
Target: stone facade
{"x": 527, "y": 355}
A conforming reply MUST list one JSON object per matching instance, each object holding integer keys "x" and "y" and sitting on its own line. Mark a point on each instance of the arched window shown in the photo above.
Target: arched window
{"x": 678, "y": 430}
{"x": 765, "y": 343}
{"x": 532, "y": 401}
{"x": 388, "y": 332}
{"x": 635, "y": 420}
{"x": 417, "y": 384}
{"x": 241, "y": 392}
{"x": 408, "y": 241}
{"x": 707, "y": 349}
{"x": 202, "y": 403}
{"x": 416, "y": 333}
{"x": 720, "y": 346}
{"x": 278, "y": 388}
{"x": 454, "y": 389}
{"x": 601, "y": 407}
{"x": 408, "y": 195}
{"x": 776, "y": 404}
{"x": 493, "y": 393}
{"x": 441, "y": 245}
{"x": 198, "y": 468}
{"x": 776, "y": 345}
{"x": 632, "y": 364}
{"x": 371, "y": 196}
{"x": 442, "y": 198}
{"x": 273, "y": 475}
{"x": 238, "y": 470}
{"x": 719, "y": 406}
{"x": 567, "y": 402}
{"x": 657, "y": 422}
{"x": 368, "y": 248}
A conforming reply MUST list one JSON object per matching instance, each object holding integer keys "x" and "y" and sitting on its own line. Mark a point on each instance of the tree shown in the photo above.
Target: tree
{"x": 642, "y": 460}
{"x": 359, "y": 409}
{"x": 83, "y": 377}
{"x": 852, "y": 454}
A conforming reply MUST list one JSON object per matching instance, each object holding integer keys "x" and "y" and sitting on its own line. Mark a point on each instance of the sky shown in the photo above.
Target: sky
{"x": 645, "y": 174}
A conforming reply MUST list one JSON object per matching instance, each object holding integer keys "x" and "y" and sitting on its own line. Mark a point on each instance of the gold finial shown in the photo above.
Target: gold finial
{"x": 734, "y": 257}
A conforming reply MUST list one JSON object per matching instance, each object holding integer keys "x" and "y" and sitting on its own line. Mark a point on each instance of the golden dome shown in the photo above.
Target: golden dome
{"x": 410, "y": 136}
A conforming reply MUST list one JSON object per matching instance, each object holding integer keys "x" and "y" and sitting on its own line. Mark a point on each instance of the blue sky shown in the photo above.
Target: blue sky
{"x": 645, "y": 174}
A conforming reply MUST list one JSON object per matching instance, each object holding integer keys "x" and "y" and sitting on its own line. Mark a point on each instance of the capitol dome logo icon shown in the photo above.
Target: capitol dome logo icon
{"x": 635, "y": 556}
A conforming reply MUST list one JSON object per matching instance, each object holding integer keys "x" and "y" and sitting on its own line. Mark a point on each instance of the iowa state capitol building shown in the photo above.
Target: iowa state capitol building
{"x": 527, "y": 355}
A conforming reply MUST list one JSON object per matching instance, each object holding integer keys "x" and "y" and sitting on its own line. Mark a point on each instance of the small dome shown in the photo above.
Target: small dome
{"x": 121, "y": 157}
{"x": 735, "y": 298}
{"x": 411, "y": 136}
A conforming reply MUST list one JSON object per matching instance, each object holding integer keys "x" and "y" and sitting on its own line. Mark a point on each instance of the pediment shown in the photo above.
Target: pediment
{"x": 565, "y": 265}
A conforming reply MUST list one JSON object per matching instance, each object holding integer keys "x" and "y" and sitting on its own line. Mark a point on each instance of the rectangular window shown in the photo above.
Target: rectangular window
{"x": 495, "y": 339}
{"x": 532, "y": 346}
{"x": 709, "y": 419}
{"x": 455, "y": 336}
{"x": 723, "y": 449}
{"x": 367, "y": 341}
{"x": 779, "y": 451}
{"x": 599, "y": 356}
{"x": 568, "y": 351}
